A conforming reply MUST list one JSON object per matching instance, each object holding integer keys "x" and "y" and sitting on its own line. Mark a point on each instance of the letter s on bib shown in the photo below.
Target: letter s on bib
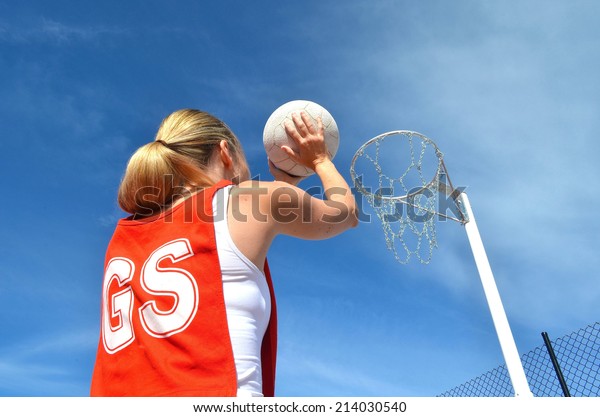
{"x": 173, "y": 282}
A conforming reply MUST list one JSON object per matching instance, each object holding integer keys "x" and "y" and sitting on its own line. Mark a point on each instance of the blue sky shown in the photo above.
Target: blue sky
{"x": 508, "y": 90}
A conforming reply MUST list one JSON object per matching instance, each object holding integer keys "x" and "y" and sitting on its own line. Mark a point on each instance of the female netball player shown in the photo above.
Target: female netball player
{"x": 188, "y": 307}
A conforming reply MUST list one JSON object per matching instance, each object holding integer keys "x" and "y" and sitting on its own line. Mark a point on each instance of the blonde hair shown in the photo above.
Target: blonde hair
{"x": 177, "y": 160}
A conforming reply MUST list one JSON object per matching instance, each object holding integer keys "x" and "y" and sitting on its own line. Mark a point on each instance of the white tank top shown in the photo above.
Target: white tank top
{"x": 247, "y": 301}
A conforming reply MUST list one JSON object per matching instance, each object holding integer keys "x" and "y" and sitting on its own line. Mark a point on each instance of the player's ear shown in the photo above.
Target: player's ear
{"x": 225, "y": 154}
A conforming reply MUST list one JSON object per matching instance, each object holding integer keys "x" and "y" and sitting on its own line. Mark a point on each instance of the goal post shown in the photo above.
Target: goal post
{"x": 418, "y": 183}
{"x": 505, "y": 336}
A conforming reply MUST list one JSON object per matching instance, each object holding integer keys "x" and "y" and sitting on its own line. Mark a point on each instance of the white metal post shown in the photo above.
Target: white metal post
{"x": 507, "y": 341}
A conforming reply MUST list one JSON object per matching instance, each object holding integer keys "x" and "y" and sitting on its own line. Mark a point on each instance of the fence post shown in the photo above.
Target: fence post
{"x": 559, "y": 374}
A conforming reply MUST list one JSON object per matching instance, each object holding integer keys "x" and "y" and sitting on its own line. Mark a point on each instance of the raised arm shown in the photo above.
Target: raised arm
{"x": 261, "y": 210}
{"x": 295, "y": 212}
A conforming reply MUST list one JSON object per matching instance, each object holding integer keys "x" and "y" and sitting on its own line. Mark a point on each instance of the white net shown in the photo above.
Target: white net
{"x": 402, "y": 175}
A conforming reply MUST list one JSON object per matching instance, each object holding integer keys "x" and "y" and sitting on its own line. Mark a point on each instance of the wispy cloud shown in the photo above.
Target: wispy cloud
{"x": 52, "y": 31}
{"x": 25, "y": 366}
{"x": 515, "y": 118}
{"x": 49, "y": 344}
{"x": 326, "y": 376}
{"x": 509, "y": 93}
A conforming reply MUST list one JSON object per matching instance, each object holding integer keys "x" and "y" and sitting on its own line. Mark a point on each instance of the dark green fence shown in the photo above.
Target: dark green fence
{"x": 577, "y": 358}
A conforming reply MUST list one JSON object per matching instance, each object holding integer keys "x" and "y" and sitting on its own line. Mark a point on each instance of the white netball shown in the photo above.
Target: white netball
{"x": 274, "y": 135}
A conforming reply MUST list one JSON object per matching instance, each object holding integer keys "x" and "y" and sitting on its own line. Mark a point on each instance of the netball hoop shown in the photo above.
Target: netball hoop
{"x": 407, "y": 196}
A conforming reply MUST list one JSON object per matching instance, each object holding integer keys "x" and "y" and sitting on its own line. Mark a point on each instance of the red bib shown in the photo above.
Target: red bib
{"x": 164, "y": 325}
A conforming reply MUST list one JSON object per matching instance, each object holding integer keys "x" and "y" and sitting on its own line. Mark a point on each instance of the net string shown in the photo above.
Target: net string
{"x": 408, "y": 219}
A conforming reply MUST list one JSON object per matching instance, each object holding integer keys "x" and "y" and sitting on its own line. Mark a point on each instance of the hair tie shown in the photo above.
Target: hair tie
{"x": 162, "y": 142}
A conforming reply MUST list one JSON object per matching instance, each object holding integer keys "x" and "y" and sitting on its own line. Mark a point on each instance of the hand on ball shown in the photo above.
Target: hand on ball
{"x": 310, "y": 140}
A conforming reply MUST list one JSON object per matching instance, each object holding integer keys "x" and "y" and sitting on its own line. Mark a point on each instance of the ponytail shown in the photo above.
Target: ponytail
{"x": 175, "y": 163}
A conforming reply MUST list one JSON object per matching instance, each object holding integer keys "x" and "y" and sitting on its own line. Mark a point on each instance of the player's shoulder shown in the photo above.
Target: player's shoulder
{"x": 267, "y": 193}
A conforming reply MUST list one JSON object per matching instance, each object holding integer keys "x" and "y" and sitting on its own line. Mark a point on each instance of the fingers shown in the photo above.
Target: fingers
{"x": 298, "y": 129}
{"x": 292, "y": 132}
{"x": 311, "y": 127}
{"x": 308, "y": 139}
{"x": 302, "y": 122}
{"x": 303, "y": 126}
{"x": 290, "y": 152}
{"x": 320, "y": 127}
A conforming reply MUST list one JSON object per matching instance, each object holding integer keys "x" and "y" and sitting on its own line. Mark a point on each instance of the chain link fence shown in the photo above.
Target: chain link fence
{"x": 577, "y": 355}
